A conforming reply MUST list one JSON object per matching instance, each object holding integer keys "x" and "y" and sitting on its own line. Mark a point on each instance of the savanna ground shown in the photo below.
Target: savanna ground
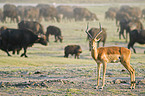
{"x": 47, "y": 72}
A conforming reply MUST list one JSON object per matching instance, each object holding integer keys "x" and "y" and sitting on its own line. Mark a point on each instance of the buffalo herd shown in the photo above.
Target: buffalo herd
{"x": 28, "y": 33}
{"x": 45, "y": 12}
{"x": 31, "y": 31}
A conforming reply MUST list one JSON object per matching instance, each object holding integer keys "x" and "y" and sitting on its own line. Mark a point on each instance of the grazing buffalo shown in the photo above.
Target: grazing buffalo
{"x": 102, "y": 36}
{"x": 128, "y": 13}
{"x": 18, "y": 39}
{"x": 66, "y": 11}
{"x": 123, "y": 25}
{"x": 48, "y": 12}
{"x": 136, "y": 36}
{"x": 9, "y": 10}
{"x": 114, "y": 9}
{"x": 72, "y": 49}
{"x": 36, "y": 27}
{"x": 133, "y": 12}
{"x": 31, "y": 13}
{"x": 122, "y": 16}
{"x": 53, "y": 30}
{"x": 21, "y": 11}
{"x": 129, "y": 25}
{"x": 110, "y": 15}
{"x": 84, "y": 13}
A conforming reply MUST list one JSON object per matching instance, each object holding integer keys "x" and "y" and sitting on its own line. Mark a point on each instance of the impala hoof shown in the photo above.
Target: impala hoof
{"x": 101, "y": 87}
{"x": 96, "y": 87}
{"x": 132, "y": 87}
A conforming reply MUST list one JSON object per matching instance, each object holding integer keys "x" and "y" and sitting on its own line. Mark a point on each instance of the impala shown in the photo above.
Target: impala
{"x": 104, "y": 55}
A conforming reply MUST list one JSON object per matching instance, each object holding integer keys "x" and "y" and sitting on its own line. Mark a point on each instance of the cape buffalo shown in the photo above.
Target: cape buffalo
{"x": 31, "y": 13}
{"x": 110, "y": 15}
{"x": 136, "y": 36}
{"x": 66, "y": 11}
{"x": 84, "y": 13}
{"x": 72, "y": 49}
{"x": 36, "y": 27}
{"x": 9, "y": 10}
{"x": 48, "y": 12}
{"x": 128, "y": 13}
{"x": 129, "y": 25}
{"x": 53, "y": 30}
{"x": 19, "y": 38}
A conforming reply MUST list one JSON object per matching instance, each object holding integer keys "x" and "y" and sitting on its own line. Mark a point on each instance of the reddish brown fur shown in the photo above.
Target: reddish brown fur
{"x": 105, "y": 55}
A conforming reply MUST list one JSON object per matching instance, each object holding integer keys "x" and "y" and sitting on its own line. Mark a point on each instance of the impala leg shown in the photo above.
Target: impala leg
{"x": 104, "y": 72}
{"x": 132, "y": 74}
{"x": 133, "y": 78}
{"x": 98, "y": 74}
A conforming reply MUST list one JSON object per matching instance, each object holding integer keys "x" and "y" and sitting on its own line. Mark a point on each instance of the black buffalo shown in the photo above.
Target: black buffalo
{"x": 65, "y": 11}
{"x": 19, "y": 38}
{"x": 72, "y": 49}
{"x": 136, "y": 36}
{"x": 12, "y": 48}
{"x": 31, "y": 13}
{"x": 9, "y": 10}
{"x": 84, "y": 13}
{"x": 36, "y": 27}
{"x": 53, "y": 30}
{"x": 48, "y": 12}
{"x": 129, "y": 25}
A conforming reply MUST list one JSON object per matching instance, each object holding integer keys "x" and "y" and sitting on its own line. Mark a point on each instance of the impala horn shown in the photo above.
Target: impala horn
{"x": 88, "y": 32}
{"x": 98, "y": 32}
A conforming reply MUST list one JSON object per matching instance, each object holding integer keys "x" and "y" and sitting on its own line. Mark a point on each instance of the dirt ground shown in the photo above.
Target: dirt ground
{"x": 72, "y": 81}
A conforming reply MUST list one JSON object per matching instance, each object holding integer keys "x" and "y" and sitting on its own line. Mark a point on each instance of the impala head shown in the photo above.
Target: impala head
{"x": 93, "y": 39}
